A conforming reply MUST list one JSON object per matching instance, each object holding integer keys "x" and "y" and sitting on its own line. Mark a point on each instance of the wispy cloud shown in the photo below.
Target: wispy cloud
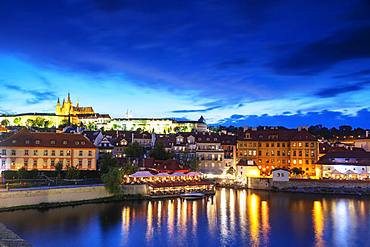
{"x": 197, "y": 110}
{"x": 37, "y": 96}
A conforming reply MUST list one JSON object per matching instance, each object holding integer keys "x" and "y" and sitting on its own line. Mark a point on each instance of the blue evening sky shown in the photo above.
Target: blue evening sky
{"x": 251, "y": 62}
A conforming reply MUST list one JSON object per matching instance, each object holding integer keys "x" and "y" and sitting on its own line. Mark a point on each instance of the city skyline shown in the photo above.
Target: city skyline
{"x": 236, "y": 64}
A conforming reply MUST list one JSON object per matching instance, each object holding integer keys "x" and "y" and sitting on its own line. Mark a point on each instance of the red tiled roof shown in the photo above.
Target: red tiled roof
{"x": 279, "y": 135}
{"x": 25, "y": 138}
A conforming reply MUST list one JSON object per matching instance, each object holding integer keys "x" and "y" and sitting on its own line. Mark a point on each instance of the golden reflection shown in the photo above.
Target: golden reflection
{"x": 159, "y": 214}
{"x": 242, "y": 211}
{"x": 149, "y": 222}
{"x": 232, "y": 210}
{"x": 254, "y": 221}
{"x": 341, "y": 224}
{"x": 125, "y": 223}
{"x": 265, "y": 220}
{"x": 171, "y": 218}
{"x": 195, "y": 217}
{"x": 318, "y": 223}
{"x": 211, "y": 214}
{"x": 223, "y": 216}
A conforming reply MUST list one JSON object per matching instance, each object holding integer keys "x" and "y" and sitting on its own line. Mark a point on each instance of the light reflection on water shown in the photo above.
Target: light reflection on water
{"x": 230, "y": 218}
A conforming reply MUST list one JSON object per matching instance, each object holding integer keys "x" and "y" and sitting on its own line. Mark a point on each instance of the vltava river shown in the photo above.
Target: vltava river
{"x": 231, "y": 218}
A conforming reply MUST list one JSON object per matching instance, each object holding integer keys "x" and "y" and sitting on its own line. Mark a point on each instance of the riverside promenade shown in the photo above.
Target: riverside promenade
{"x": 10, "y": 239}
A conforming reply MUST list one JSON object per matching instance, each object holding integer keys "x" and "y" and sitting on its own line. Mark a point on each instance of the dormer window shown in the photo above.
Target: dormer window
{"x": 27, "y": 142}
{"x": 37, "y": 142}
{"x": 65, "y": 142}
{"x": 77, "y": 142}
{"x": 52, "y": 142}
{"x": 14, "y": 141}
{"x": 82, "y": 143}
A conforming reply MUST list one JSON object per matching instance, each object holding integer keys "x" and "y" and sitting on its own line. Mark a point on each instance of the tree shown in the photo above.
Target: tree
{"x": 72, "y": 172}
{"x": 106, "y": 162}
{"x": 30, "y": 122}
{"x": 231, "y": 171}
{"x": 91, "y": 126}
{"x": 297, "y": 171}
{"x": 5, "y": 122}
{"x": 193, "y": 164}
{"x": 134, "y": 151}
{"x": 22, "y": 173}
{"x": 129, "y": 169}
{"x": 58, "y": 169}
{"x": 113, "y": 180}
{"x": 17, "y": 121}
{"x": 159, "y": 152}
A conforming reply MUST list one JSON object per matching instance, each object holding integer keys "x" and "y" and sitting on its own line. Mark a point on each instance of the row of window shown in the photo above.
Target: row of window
{"x": 279, "y": 153}
{"x": 46, "y": 152}
{"x": 26, "y": 163}
{"x": 278, "y": 144}
{"x": 52, "y": 142}
{"x": 283, "y": 161}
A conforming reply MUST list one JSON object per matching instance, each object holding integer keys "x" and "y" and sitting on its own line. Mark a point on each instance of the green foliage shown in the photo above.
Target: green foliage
{"x": 72, "y": 172}
{"x": 193, "y": 164}
{"x": 17, "y": 121}
{"x": 58, "y": 169}
{"x": 22, "y": 173}
{"x": 129, "y": 169}
{"x": 159, "y": 152}
{"x": 91, "y": 126}
{"x": 297, "y": 171}
{"x": 134, "y": 151}
{"x": 106, "y": 162}
{"x": 5, "y": 122}
{"x": 113, "y": 180}
{"x": 231, "y": 171}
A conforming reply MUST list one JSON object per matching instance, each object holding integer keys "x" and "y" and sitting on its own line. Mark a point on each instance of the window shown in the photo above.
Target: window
{"x": 14, "y": 141}
{"x": 80, "y": 153}
{"x": 80, "y": 163}
{"x": 13, "y": 152}
{"x": 35, "y": 152}
{"x": 52, "y": 142}
{"x": 52, "y": 152}
{"x": 267, "y": 145}
{"x": 65, "y": 142}
{"x": 52, "y": 163}
{"x": 35, "y": 163}
{"x": 25, "y": 163}
{"x": 46, "y": 152}
{"x": 27, "y": 142}
{"x": 37, "y": 142}
{"x": 61, "y": 153}
{"x": 26, "y": 152}
{"x": 3, "y": 152}
{"x": 3, "y": 164}
{"x": 89, "y": 163}
{"x": 90, "y": 153}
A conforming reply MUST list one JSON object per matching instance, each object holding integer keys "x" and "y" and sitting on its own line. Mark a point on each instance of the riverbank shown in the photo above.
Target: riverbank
{"x": 10, "y": 239}
{"x": 310, "y": 186}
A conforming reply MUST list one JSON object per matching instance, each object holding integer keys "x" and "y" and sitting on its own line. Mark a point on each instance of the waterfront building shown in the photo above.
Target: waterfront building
{"x": 210, "y": 154}
{"x": 280, "y": 175}
{"x": 246, "y": 169}
{"x": 279, "y": 148}
{"x": 345, "y": 163}
{"x": 43, "y": 150}
{"x": 228, "y": 144}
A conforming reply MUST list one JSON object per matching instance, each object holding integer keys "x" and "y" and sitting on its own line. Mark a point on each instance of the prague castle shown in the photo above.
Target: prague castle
{"x": 67, "y": 113}
{"x": 68, "y": 109}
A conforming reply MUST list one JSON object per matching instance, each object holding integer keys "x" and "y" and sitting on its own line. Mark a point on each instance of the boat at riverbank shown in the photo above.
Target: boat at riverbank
{"x": 192, "y": 196}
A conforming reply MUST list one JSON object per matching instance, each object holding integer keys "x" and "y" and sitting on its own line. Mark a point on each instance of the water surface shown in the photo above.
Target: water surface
{"x": 230, "y": 218}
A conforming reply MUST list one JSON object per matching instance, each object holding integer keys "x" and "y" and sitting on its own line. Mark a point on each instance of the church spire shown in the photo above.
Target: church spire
{"x": 69, "y": 98}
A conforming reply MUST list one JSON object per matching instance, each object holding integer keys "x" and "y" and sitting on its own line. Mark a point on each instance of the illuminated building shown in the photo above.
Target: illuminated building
{"x": 43, "y": 150}
{"x": 279, "y": 148}
{"x": 343, "y": 163}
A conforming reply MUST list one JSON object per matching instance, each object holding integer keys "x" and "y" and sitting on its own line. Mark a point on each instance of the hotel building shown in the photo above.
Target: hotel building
{"x": 279, "y": 148}
{"x": 42, "y": 151}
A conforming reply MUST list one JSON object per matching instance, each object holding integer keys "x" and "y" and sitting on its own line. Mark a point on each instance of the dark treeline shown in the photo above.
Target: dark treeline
{"x": 344, "y": 131}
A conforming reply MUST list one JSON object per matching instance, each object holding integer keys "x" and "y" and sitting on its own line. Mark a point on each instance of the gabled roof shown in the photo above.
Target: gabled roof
{"x": 25, "y": 138}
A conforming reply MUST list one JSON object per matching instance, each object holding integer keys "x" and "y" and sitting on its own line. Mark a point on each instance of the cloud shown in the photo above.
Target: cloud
{"x": 36, "y": 96}
{"x": 320, "y": 55}
{"x": 238, "y": 62}
{"x": 361, "y": 73}
{"x": 197, "y": 110}
{"x": 326, "y": 118}
{"x": 340, "y": 89}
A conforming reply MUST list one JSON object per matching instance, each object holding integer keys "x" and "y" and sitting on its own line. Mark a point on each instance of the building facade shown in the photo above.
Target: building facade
{"x": 42, "y": 151}
{"x": 279, "y": 148}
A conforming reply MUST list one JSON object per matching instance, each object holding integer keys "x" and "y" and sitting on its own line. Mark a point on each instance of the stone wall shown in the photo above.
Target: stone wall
{"x": 55, "y": 195}
{"x": 10, "y": 239}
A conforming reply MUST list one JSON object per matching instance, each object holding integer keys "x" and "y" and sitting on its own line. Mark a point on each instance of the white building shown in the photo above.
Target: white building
{"x": 280, "y": 175}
